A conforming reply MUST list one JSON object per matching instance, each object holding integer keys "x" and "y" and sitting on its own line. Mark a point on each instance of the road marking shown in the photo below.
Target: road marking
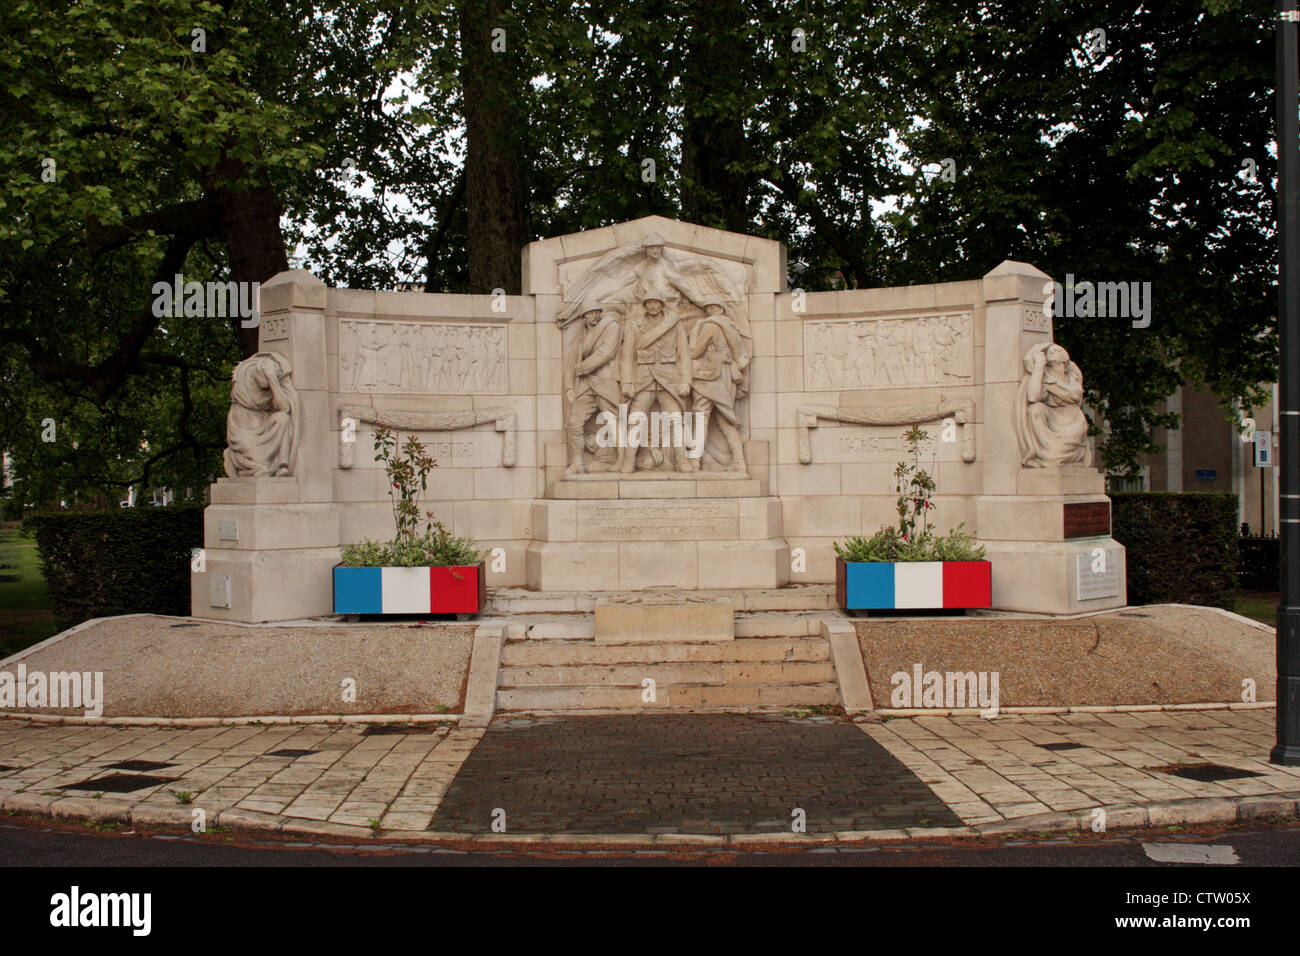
{"x": 1218, "y": 854}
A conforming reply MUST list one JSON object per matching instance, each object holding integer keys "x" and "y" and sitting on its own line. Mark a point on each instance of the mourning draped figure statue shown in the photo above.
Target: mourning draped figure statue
{"x": 262, "y": 426}
{"x": 1051, "y": 429}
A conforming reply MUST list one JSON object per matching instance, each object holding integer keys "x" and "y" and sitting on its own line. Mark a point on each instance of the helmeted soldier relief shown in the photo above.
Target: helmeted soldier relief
{"x": 592, "y": 384}
{"x": 656, "y": 366}
{"x": 719, "y": 368}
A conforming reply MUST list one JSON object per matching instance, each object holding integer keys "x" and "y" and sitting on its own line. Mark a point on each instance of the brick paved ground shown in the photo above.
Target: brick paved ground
{"x": 697, "y": 773}
{"x": 643, "y": 773}
{"x": 346, "y": 777}
{"x": 988, "y": 770}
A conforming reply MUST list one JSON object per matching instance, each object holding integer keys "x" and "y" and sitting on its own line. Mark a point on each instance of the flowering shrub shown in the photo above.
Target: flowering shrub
{"x": 408, "y": 469}
{"x": 912, "y": 540}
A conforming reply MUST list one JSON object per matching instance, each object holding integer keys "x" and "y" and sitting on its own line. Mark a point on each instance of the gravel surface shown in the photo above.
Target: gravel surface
{"x": 153, "y": 668}
{"x": 1148, "y": 655}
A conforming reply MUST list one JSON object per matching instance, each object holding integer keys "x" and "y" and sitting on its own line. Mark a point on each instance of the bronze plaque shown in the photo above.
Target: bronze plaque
{"x": 1087, "y": 519}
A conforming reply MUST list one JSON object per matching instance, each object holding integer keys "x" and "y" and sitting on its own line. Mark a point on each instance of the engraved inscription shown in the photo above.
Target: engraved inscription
{"x": 275, "y": 328}
{"x": 887, "y": 353}
{"x": 442, "y": 358}
{"x": 657, "y": 520}
{"x": 1033, "y": 320}
{"x": 1098, "y": 584}
{"x": 849, "y": 444}
{"x": 1086, "y": 519}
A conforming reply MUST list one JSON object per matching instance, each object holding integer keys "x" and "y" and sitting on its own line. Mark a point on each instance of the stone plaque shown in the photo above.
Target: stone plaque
{"x": 219, "y": 590}
{"x": 889, "y": 353}
{"x": 1098, "y": 584}
{"x": 228, "y": 529}
{"x": 431, "y": 358}
{"x": 1087, "y": 519}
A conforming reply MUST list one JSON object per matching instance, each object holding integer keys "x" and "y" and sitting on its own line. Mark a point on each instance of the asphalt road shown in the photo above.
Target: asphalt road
{"x": 186, "y": 889}
{"x": 45, "y": 845}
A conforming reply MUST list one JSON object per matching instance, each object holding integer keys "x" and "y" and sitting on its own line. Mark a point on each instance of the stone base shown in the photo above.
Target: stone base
{"x": 1028, "y": 518}
{"x": 618, "y": 623}
{"x": 1057, "y": 577}
{"x": 1060, "y": 481}
{"x": 255, "y": 491}
{"x": 280, "y": 585}
{"x": 612, "y": 544}
{"x": 261, "y": 527}
{"x": 632, "y": 565}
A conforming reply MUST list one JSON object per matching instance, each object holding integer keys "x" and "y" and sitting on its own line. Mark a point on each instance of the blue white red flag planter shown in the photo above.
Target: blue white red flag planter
{"x": 909, "y": 585}
{"x": 460, "y": 589}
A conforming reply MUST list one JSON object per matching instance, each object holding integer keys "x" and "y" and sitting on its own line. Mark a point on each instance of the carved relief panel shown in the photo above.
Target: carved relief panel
{"x": 648, "y": 333}
{"x": 889, "y": 352}
{"x": 422, "y": 357}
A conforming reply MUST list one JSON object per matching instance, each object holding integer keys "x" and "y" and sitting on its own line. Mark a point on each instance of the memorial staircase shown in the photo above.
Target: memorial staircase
{"x": 551, "y": 661}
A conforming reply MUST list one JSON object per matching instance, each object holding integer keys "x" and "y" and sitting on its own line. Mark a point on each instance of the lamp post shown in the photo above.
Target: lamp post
{"x": 1287, "y": 749}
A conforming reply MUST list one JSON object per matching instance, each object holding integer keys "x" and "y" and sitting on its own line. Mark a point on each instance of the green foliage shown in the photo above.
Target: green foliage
{"x": 912, "y": 540}
{"x": 408, "y": 470}
{"x": 126, "y": 561}
{"x": 915, "y": 488}
{"x": 435, "y": 547}
{"x": 1118, "y": 165}
{"x": 1180, "y": 547}
{"x": 1124, "y": 165}
{"x": 888, "y": 545}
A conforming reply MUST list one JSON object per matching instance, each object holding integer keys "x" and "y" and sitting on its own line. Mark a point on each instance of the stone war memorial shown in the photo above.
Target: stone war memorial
{"x": 658, "y": 413}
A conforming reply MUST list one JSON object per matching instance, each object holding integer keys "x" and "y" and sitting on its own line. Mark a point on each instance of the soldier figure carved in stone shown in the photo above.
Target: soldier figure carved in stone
{"x": 656, "y": 364}
{"x": 592, "y": 384}
{"x": 719, "y": 367}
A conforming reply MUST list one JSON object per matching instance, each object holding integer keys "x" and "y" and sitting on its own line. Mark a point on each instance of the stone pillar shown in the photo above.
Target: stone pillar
{"x": 1045, "y": 530}
{"x": 269, "y": 543}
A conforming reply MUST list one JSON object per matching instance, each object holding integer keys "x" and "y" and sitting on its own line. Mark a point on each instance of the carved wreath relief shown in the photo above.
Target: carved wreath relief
{"x": 425, "y": 357}
{"x": 656, "y": 355}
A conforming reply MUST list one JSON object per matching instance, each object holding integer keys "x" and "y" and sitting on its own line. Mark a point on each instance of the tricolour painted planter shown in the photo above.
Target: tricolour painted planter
{"x": 880, "y": 586}
{"x": 460, "y": 589}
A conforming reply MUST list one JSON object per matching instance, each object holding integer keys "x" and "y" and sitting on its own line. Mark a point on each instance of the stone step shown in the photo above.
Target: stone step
{"x": 708, "y": 673}
{"x": 575, "y": 652}
{"x": 799, "y": 597}
{"x": 543, "y": 699}
{"x": 555, "y": 627}
{"x": 779, "y": 623}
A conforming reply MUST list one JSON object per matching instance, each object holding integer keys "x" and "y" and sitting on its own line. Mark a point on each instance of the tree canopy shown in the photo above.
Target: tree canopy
{"x": 378, "y": 142}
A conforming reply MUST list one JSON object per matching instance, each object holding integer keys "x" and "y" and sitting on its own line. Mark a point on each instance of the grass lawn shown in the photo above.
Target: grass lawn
{"x": 25, "y": 616}
{"x": 1260, "y": 605}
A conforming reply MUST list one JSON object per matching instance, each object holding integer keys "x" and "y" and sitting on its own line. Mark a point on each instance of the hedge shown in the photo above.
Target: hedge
{"x": 1181, "y": 546}
{"x": 129, "y": 561}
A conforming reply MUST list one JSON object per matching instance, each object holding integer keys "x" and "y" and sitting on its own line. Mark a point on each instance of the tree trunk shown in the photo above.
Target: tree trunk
{"x": 494, "y": 172}
{"x": 713, "y": 130}
{"x": 250, "y": 229}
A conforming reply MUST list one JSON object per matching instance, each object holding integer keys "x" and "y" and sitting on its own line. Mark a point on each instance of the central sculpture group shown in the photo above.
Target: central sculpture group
{"x": 633, "y": 358}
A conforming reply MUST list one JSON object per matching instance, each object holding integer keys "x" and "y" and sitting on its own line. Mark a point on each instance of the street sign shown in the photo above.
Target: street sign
{"x": 1263, "y": 449}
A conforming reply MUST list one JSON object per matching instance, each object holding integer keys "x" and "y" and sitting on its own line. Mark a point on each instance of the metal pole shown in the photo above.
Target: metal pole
{"x": 1287, "y": 749}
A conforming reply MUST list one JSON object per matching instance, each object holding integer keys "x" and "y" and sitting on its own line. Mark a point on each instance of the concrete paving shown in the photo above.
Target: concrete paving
{"x": 723, "y": 780}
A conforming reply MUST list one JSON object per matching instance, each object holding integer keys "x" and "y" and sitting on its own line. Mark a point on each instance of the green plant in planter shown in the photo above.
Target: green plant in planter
{"x": 913, "y": 539}
{"x": 408, "y": 468}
